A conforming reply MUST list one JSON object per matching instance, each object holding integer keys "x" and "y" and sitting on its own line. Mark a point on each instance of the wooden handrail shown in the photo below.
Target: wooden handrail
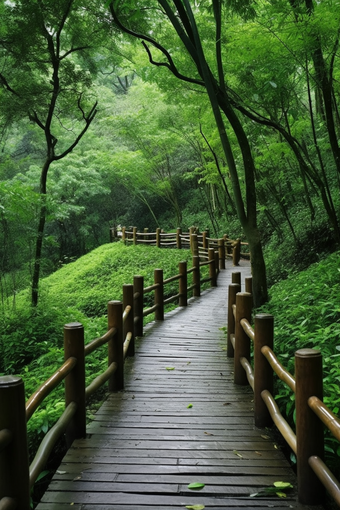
{"x": 48, "y": 386}
{"x": 279, "y": 370}
{"x": 198, "y": 243}
{"x": 311, "y": 412}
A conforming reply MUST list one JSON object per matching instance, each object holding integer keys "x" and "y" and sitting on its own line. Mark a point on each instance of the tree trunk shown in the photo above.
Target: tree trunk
{"x": 258, "y": 267}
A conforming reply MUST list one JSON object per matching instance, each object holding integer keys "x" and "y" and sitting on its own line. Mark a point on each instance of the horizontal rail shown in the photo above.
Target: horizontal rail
{"x": 127, "y": 343}
{"x": 326, "y": 477}
{"x": 279, "y": 370}
{"x": 328, "y": 418}
{"x": 48, "y": 386}
{"x": 146, "y": 290}
{"x": 286, "y": 431}
{"x": 248, "y": 370}
{"x": 172, "y": 299}
{"x": 8, "y": 504}
{"x": 49, "y": 441}
{"x": 126, "y": 312}
{"x": 147, "y": 311}
{"x": 100, "y": 380}
{"x": 249, "y": 331}
{"x": 98, "y": 342}
{"x": 172, "y": 279}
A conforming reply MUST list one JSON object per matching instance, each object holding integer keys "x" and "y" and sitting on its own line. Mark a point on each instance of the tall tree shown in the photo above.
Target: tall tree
{"x": 207, "y": 69}
{"x": 46, "y": 52}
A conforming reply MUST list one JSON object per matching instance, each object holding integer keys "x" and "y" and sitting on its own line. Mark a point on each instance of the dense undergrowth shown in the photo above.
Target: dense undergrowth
{"x": 305, "y": 307}
{"x": 306, "y": 310}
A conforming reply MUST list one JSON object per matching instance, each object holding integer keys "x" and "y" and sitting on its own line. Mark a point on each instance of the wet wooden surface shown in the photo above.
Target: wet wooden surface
{"x": 179, "y": 420}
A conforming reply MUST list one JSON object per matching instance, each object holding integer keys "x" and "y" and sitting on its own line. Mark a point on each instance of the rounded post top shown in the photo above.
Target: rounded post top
{"x": 73, "y": 325}
{"x": 307, "y": 353}
{"x": 264, "y": 316}
{"x": 10, "y": 381}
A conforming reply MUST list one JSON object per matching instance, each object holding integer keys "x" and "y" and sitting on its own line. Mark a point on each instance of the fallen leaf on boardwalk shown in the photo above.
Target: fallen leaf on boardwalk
{"x": 276, "y": 447}
{"x": 265, "y": 437}
{"x": 189, "y": 406}
{"x": 61, "y": 472}
{"x": 195, "y": 507}
{"x": 196, "y": 486}
{"x": 238, "y": 454}
{"x": 227, "y": 404}
{"x": 274, "y": 489}
{"x": 170, "y": 368}
{"x": 258, "y": 453}
{"x": 208, "y": 433}
{"x": 77, "y": 478}
{"x": 188, "y": 362}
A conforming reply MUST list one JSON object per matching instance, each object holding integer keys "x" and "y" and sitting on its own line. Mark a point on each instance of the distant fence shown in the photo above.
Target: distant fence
{"x": 125, "y": 322}
{"x": 198, "y": 243}
{"x": 311, "y": 414}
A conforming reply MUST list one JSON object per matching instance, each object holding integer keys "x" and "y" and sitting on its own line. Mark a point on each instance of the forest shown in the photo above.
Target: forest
{"x": 223, "y": 114}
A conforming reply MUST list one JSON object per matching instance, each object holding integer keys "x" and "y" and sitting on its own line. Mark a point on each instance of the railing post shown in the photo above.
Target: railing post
{"x": 134, "y": 235}
{"x": 263, "y": 373}
{"x": 309, "y": 428}
{"x": 212, "y": 268}
{"x": 196, "y": 276}
{"x": 194, "y": 244}
{"x": 217, "y": 267}
{"x": 233, "y": 289}
{"x": 178, "y": 238}
{"x": 248, "y": 284}
{"x": 158, "y": 237}
{"x": 183, "y": 284}
{"x": 146, "y": 230}
{"x": 14, "y": 467}
{"x": 138, "y": 292}
{"x": 205, "y": 240}
{"x": 242, "y": 342}
{"x": 236, "y": 252}
{"x": 115, "y": 345}
{"x": 129, "y": 322}
{"x": 236, "y": 277}
{"x": 221, "y": 253}
{"x": 124, "y": 235}
{"x": 159, "y": 295}
{"x": 75, "y": 381}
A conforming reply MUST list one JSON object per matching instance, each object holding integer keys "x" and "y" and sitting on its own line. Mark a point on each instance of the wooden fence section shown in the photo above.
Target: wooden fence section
{"x": 198, "y": 243}
{"x": 312, "y": 415}
{"x": 125, "y": 321}
{"x": 179, "y": 420}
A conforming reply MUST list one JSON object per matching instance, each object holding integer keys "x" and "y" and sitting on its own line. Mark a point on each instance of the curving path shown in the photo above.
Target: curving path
{"x": 179, "y": 420}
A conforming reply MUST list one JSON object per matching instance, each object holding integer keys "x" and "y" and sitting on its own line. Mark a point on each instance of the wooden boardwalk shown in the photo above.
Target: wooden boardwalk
{"x": 179, "y": 420}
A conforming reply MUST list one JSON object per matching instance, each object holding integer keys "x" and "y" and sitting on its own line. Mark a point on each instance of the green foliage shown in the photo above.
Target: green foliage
{"x": 307, "y": 315}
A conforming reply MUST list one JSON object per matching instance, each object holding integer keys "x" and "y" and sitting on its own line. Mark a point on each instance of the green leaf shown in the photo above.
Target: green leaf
{"x": 195, "y": 507}
{"x": 196, "y": 486}
{"x": 189, "y": 406}
{"x": 170, "y": 368}
{"x": 283, "y": 485}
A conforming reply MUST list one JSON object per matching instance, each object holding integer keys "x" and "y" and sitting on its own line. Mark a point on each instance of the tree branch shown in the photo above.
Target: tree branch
{"x": 171, "y": 66}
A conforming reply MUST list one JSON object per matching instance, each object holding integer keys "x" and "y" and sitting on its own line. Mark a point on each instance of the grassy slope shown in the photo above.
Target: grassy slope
{"x": 306, "y": 310}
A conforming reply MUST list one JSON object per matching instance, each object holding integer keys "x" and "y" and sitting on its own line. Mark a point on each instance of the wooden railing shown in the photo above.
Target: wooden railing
{"x": 311, "y": 414}
{"x": 199, "y": 243}
{"x": 125, "y": 322}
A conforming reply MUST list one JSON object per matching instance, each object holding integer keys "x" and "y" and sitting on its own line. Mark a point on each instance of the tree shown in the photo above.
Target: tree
{"x": 207, "y": 69}
{"x": 45, "y": 54}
